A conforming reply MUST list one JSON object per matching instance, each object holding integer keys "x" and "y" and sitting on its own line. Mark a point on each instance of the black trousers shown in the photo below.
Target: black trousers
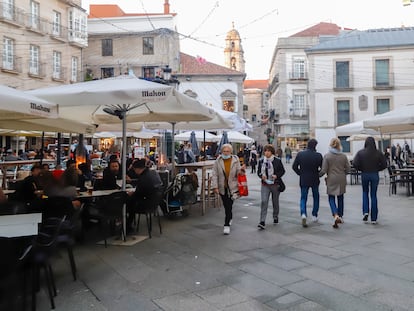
{"x": 228, "y": 208}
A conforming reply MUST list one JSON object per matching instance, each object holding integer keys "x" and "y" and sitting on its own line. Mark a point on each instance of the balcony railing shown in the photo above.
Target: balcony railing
{"x": 11, "y": 14}
{"x": 77, "y": 38}
{"x": 298, "y": 75}
{"x": 36, "y": 24}
{"x": 59, "y": 32}
{"x": 59, "y": 74}
{"x": 383, "y": 84}
{"x": 13, "y": 65}
{"x": 37, "y": 70}
{"x": 298, "y": 114}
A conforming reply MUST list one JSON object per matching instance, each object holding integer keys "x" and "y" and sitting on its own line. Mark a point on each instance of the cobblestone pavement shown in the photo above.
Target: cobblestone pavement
{"x": 193, "y": 266}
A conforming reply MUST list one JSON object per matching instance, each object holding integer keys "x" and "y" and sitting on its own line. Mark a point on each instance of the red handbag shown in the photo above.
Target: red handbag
{"x": 242, "y": 183}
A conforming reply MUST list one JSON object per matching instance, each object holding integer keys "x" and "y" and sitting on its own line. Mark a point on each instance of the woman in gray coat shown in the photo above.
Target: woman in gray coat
{"x": 224, "y": 181}
{"x": 335, "y": 165}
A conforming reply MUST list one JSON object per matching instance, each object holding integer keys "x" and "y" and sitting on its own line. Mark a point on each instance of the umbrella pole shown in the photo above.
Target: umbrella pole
{"x": 204, "y": 145}
{"x": 124, "y": 149}
{"x": 173, "y": 149}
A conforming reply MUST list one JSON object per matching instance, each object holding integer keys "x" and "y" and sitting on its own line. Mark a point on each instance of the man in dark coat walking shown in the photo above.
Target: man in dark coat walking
{"x": 307, "y": 165}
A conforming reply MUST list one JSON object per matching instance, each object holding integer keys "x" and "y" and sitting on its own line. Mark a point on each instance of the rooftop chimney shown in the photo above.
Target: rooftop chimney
{"x": 166, "y": 7}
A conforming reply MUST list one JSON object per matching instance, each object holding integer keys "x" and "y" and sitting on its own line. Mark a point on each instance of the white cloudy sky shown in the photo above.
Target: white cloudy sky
{"x": 261, "y": 22}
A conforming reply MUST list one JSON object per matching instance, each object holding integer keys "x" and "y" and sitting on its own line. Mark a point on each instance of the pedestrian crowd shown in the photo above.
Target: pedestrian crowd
{"x": 310, "y": 166}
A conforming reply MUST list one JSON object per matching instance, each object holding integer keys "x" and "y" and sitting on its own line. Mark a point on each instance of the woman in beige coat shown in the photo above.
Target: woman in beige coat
{"x": 335, "y": 165}
{"x": 224, "y": 181}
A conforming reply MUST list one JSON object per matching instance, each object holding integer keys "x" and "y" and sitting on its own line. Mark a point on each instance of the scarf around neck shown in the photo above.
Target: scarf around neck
{"x": 267, "y": 166}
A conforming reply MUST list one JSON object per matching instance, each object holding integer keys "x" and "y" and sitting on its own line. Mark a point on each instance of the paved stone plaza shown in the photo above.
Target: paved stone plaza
{"x": 193, "y": 266}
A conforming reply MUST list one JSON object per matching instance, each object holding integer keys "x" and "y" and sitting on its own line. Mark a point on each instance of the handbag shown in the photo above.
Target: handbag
{"x": 281, "y": 184}
{"x": 242, "y": 183}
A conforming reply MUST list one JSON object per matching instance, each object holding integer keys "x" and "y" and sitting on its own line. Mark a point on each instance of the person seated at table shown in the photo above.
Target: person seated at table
{"x": 84, "y": 175}
{"x": 27, "y": 191}
{"x": 148, "y": 187}
{"x": 110, "y": 176}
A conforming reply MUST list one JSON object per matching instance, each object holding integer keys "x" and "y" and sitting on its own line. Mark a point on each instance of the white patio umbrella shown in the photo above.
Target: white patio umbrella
{"x": 18, "y": 105}
{"x": 395, "y": 121}
{"x": 185, "y": 136}
{"x": 128, "y": 99}
{"x": 354, "y": 128}
{"x": 237, "y": 137}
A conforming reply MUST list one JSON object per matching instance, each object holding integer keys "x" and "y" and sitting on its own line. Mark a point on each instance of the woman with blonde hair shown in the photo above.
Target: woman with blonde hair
{"x": 335, "y": 165}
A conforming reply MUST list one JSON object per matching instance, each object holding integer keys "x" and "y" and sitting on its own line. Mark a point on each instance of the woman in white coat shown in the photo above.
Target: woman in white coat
{"x": 224, "y": 181}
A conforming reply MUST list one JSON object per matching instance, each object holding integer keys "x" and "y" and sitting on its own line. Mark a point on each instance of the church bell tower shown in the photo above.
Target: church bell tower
{"x": 233, "y": 53}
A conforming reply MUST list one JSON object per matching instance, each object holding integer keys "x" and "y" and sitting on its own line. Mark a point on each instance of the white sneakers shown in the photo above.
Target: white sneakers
{"x": 226, "y": 230}
{"x": 315, "y": 218}
{"x": 304, "y": 225}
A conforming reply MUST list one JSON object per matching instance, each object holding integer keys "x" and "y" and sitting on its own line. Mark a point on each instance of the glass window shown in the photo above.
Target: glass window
{"x": 254, "y": 118}
{"x": 148, "y": 45}
{"x": 34, "y": 65}
{"x": 8, "y": 9}
{"x": 342, "y": 74}
{"x": 346, "y": 146}
{"x": 299, "y": 106}
{"x": 34, "y": 15}
{"x": 148, "y": 72}
{"x": 107, "y": 49}
{"x": 107, "y": 72}
{"x": 382, "y": 72}
{"x": 343, "y": 112}
{"x": 57, "y": 63}
{"x": 8, "y": 53}
{"x": 74, "y": 69}
{"x": 298, "y": 68}
{"x": 228, "y": 105}
{"x": 383, "y": 105}
{"x": 57, "y": 19}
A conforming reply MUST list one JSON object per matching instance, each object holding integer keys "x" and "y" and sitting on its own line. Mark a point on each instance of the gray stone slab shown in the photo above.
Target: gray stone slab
{"x": 368, "y": 251}
{"x": 332, "y": 298}
{"x": 251, "y": 305}
{"x": 396, "y": 301}
{"x": 308, "y": 306}
{"x": 182, "y": 302}
{"x": 336, "y": 280}
{"x": 322, "y": 250}
{"x": 255, "y": 287}
{"x": 270, "y": 273}
{"x": 380, "y": 280}
{"x": 285, "y": 263}
{"x": 377, "y": 266}
{"x": 317, "y": 260}
{"x": 222, "y": 296}
{"x": 286, "y": 301}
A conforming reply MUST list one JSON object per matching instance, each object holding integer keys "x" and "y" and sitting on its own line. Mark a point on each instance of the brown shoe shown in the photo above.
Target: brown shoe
{"x": 336, "y": 222}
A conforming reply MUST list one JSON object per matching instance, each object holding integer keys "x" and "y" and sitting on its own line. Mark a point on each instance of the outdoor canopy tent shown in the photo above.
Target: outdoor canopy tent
{"x": 237, "y": 137}
{"x": 353, "y": 128}
{"x": 399, "y": 120}
{"x": 199, "y": 135}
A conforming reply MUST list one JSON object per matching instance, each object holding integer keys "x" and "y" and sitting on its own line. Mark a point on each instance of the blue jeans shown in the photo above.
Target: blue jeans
{"x": 336, "y": 210}
{"x": 304, "y": 198}
{"x": 369, "y": 190}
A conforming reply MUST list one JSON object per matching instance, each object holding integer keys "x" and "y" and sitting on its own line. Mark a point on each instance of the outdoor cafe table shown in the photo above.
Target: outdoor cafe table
{"x": 20, "y": 225}
{"x": 409, "y": 172}
{"x": 204, "y": 166}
